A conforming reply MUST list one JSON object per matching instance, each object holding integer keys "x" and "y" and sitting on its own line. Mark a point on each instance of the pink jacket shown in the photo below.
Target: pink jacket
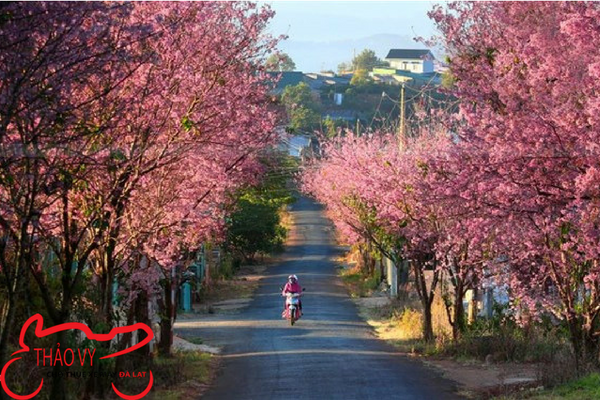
{"x": 291, "y": 287}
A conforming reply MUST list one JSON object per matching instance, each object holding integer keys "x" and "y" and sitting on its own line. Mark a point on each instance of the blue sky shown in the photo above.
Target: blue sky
{"x": 311, "y": 23}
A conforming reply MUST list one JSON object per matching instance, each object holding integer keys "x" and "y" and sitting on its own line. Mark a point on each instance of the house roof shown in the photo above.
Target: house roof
{"x": 409, "y": 53}
{"x": 288, "y": 78}
{"x": 337, "y": 81}
{"x": 329, "y": 79}
{"x": 384, "y": 79}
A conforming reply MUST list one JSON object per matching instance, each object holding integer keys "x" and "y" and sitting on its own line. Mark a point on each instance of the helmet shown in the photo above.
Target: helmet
{"x": 293, "y": 278}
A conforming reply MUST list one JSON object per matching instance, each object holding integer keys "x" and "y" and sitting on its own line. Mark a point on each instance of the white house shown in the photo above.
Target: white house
{"x": 412, "y": 60}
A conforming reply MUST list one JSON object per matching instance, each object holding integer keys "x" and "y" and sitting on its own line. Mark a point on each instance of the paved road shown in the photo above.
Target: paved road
{"x": 329, "y": 354}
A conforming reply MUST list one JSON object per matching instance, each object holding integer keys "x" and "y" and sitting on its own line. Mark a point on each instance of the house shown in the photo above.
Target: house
{"x": 393, "y": 76}
{"x": 286, "y": 78}
{"x": 317, "y": 81}
{"x": 412, "y": 60}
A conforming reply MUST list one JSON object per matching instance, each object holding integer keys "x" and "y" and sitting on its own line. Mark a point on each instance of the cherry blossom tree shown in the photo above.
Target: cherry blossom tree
{"x": 198, "y": 116}
{"x": 379, "y": 188}
{"x": 53, "y": 79}
{"x": 527, "y": 78}
{"x": 123, "y": 127}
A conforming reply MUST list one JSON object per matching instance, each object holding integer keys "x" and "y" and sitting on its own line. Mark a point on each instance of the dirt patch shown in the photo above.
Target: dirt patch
{"x": 180, "y": 344}
{"x": 230, "y": 296}
{"x": 373, "y": 302}
{"x": 481, "y": 380}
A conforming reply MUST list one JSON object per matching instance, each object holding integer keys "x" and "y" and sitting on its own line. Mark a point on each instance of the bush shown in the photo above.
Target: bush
{"x": 410, "y": 322}
{"x": 491, "y": 340}
{"x": 372, "y": 282}
{"x": 360, "y": 283}
{"x": 254, "y": 223}
{"x": 182, "y": 366}
{"x": 229, "y": 266}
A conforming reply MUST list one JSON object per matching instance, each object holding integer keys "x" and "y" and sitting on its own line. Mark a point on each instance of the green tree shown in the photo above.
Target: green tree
{"x": 280, "y": 62}
{"x": 343, "y": 67}
{"x": 254, "y": 225}
{"x": 366, "y": 60}
{"x": 254, "y": 228}
{"x": 333, "y": 127}
{"x": 360, "y": 77}
{"x": 304, "y": 112}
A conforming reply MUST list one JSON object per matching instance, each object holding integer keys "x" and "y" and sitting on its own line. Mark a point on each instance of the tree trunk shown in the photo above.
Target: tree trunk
{"x": 364, "y": 259}
{"x": 473, "y": 306}
{"x": 402, "y": 275}
{"x": 426, "y": 296}
{"x": 458, "y": 325}
{"x": 166, "y": 340}
{"x": 6, "y": 331}
{"x": 58, "y": 371}
{"x": 166, "y": 315}
{"x": 141, "y": 315}
{"x": 591, "y": 344}
{"x": 107, "y": 289}
{"x": 427, "y": 322}
{"x": 7, "y": 326}
{"x": 14, "y": 283}
{"x": 576, "y": 340}
{"x": 403, "y": 268}
{"x": 121, "y": 362}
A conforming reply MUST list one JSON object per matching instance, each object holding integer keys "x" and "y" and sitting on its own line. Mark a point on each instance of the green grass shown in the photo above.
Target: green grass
{"x": 197, "y": 366}
{"x": 177, "y": 376}
{"x": 195, "y": 340}
{"x": 586, "y": 388}
{"x": 188, "y": 365}
{"x": 170, "y": 394}
{"x": 359, "y": 284}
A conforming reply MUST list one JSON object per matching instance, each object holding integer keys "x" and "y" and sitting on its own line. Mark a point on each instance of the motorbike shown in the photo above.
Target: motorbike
{"x": 292, "y": 310}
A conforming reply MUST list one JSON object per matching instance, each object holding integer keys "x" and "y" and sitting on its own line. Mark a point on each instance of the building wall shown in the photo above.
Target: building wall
{"x": 412, "y": 65}
{"x": 428, "y": 66}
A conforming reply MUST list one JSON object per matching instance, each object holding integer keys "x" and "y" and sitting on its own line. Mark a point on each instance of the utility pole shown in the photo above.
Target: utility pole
{"x": 401, "y": 134}
{"x": 402, "y": 111}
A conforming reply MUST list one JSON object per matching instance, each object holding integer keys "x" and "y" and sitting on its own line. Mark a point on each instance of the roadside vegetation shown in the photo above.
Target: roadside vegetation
{"x": 584, "y": 388}
{"x": 358, "y": 283}
{"x": 255, "y": 224}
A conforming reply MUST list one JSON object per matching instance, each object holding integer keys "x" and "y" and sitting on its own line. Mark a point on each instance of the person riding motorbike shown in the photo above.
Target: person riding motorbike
{"x": 291, "y": 286}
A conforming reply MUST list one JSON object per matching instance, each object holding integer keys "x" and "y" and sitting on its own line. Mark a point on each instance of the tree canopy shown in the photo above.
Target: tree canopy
{"x": 303, "y": 110}
{"x": 367, "y": 60}
{"x": 280, "y": 62}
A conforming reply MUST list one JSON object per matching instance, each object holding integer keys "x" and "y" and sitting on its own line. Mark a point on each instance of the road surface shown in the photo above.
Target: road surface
{"x": 329, "y": 354}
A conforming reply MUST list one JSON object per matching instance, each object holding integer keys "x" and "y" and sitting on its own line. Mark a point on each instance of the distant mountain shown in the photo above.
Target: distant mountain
{"x": 317, "y": 56}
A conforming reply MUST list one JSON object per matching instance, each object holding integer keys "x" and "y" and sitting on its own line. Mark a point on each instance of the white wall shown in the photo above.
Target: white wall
{"x": 427, "y": 66}
{"x": 413, "y": 65}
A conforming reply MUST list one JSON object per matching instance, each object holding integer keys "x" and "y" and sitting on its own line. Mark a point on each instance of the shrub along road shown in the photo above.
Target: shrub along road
{"x": 329, "y": 354}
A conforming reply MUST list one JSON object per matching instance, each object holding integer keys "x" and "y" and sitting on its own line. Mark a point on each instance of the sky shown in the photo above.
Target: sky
{"x": 315, "y": 29}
